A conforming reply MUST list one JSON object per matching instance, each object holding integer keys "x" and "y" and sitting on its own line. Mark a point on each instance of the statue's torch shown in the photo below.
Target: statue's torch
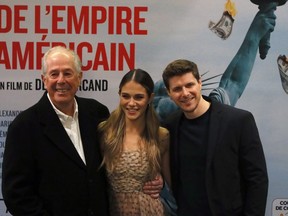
{"x": 264, "y": 5}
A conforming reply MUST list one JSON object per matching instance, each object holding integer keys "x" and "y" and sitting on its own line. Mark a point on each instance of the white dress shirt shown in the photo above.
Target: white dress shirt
{"x": 71, "y": 125}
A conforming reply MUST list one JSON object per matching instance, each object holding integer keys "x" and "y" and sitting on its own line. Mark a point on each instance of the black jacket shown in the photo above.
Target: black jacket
{"x": 236, "y": 174}
{"x": 42, "y": 171}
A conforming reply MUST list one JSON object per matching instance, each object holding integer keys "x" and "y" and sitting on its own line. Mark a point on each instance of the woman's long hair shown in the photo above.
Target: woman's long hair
{"x": 113, "y": 130}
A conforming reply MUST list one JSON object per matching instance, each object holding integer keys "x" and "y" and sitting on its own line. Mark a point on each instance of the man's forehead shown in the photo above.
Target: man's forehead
{"x": 188, "y": 77}
{"x": 57, "y": 53}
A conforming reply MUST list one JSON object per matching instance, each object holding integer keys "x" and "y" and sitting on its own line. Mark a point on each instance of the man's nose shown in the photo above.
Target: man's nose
{"x": 61, "y": 77}
{"x": 185, "y": 91}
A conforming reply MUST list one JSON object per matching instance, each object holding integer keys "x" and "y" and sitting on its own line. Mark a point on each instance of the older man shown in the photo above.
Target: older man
{"x": 51, "y": 158}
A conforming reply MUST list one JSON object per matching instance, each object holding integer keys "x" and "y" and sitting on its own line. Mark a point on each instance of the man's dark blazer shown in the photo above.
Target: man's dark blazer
{"x": 236, "y": 174}
{"x": 42, "y": 172}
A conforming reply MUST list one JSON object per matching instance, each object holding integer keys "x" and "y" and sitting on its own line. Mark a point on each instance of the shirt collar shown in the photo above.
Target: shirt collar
{"x": 62, "y": 115}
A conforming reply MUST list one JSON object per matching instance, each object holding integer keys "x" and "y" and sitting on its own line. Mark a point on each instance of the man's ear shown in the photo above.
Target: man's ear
{"x": 80, "y": 75}
{"x": 43, "y": 77}
{"x": 200, "y": 82}
{"x": 168, "y": 92}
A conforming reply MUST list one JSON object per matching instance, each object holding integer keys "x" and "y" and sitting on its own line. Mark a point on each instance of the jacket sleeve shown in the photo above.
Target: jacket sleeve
{"x": 253, "y": 168}
{"x": 18, "y": 172}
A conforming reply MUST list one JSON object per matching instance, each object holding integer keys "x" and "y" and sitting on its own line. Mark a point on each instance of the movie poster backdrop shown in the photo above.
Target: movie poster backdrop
{"x": 112, "y": 37}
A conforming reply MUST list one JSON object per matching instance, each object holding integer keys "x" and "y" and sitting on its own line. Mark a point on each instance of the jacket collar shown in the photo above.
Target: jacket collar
{"x": 54, "y": 130}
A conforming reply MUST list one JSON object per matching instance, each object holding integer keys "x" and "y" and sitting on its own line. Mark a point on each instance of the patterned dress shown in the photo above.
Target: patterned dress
{"x": 126, "y": 182}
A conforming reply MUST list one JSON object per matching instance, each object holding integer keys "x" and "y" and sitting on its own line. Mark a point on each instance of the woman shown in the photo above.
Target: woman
{"x": 135, "y": 148}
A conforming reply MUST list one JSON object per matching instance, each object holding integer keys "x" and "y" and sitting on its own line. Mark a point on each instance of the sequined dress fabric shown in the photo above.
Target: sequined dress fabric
{"x": 126, "y": 182}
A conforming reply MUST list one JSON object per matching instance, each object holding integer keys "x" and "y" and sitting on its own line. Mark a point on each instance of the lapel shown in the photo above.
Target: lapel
{"x": 54, "y": 130}
{"x": 214, "y": 128}
{"x": 88, "y": 129}
{"x": 174, "y": 143}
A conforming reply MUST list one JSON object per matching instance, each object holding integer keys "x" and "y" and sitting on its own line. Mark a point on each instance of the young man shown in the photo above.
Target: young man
{"x": 217, "y": 161}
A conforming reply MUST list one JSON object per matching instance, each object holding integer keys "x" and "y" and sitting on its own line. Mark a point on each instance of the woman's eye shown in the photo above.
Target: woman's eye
{"x": 138, "y": 97}
{"x": 126, "y": 96}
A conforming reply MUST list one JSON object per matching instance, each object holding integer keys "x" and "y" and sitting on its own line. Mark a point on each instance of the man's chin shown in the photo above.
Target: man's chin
{"x": 187, "y": 108}
{"x": 61, "y": 93}
{"x": 62, "y": 99}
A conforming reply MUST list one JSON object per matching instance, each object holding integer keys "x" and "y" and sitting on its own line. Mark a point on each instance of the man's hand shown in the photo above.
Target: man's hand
{"x": 154, "y": 187}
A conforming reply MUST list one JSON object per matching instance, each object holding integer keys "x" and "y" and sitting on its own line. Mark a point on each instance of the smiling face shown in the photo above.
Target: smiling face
{"x": 61, "y": 80}
{"x": 134, "y": 100}
{"x": 185, "y": 91}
